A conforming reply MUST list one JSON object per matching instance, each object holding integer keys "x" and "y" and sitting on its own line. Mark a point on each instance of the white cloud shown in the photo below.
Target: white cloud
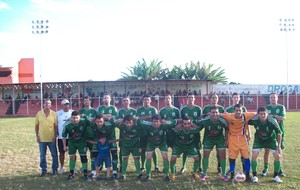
{"x": 4, "y": 5}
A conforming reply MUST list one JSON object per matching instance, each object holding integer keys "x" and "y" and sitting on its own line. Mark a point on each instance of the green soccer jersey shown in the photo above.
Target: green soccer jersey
{"x": 213, "y": 129}
{"x": 206, "y": 109}
{"x": 123, "y": 112}
{"x": 89, "y": 113}
{"x": 157, "y": 136}
{"x": 76, "y": 133}
{"x": 278, "y": 110}
{"x": 143, "y": 111}
{"x": 193, "y": 112}
{"x": 108, "y": 110}
{"x": 130, "y": 136}
{"x": 186, "y": 139}
{"x": 230, "y": 109}
{"x": 266, "y": 131}
{"x": 169, "y": 113}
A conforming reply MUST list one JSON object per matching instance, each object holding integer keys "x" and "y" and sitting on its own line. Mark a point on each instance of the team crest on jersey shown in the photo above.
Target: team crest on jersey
{"x": 151, "y": 134}
{"x": 191, "y": 136}
{"x": 142, "y": 113}
{"x": 219, "y": 127}
{"x": 277, "y": 111}
{"x": 161, "y": 132}
{"x": 195, "y": 114}
{"x": 173, "y": 114}
{"x": 110, "y": 111}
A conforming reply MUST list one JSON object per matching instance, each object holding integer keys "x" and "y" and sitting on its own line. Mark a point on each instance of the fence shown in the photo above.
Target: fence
{"x": 29, "y": 107}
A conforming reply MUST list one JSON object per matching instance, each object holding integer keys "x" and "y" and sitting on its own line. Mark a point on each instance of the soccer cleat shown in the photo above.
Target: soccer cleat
{"x": 277, "y": 179}
{"x": 248, "y": 178}
{"x": 156, "y": 170}
{"x": 183, "y": 170}
{"x": 147, "y": 178}
{"x": 93, "y": 174}
{"x": 281, "y": 174}
{"x": 54, "y": 173}
{"x": 114, "y": 176}
{"x": 219, "y": 170}
{"x": 228, "y": 172}
{"x": 167, "y": 178}
{"x": 225, "y": 178}
{"x": 143, "y": 170}
{"x": 139, "y": 177}
{"x": 172, "y": 177}
{"x": 264, "y": 173}
{"x": 203, "y": 177}
{"x": 122, "y": 177}
{"x": 196, "y": 176}
{"x": 62, "y": 170}
{"x": 75, "y": 171}
{"x": 70, "y": 176}
{"x": 43, "y": 173}
{"x": 255, "y": 179}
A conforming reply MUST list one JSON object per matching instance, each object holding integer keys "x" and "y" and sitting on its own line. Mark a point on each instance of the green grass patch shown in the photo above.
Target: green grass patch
{"x": 19, "y": 165}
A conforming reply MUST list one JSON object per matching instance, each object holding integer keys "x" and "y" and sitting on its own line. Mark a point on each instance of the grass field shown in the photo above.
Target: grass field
{"x": 19, "y": 165}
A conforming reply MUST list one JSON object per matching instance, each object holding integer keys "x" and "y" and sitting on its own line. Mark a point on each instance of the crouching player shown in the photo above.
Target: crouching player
{"x": 213, "y": 136}
{"x": 185, "y": 144}
{"x": 156, "y": 132}
{"x": 267, "y": 135}
{"x": 75, "y": 131}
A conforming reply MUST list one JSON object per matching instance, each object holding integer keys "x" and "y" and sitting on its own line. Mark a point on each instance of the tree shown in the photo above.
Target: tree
{"x": 143, "y": 71}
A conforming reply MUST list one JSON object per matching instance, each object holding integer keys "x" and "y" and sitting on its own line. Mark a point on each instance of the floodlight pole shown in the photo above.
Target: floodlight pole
{"x": 287, "y": 25}
{"x": 40, "y": 27}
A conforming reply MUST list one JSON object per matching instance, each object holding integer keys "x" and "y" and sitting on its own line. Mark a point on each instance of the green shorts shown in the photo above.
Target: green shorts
{"x": 177, "y": 151}
{"x": 208, "y": 144}
{"x": 134, "y": 151}
{"x": 163, "y": 147}
{"x": 73, "y": 147}
{"x": 259, "y": 145}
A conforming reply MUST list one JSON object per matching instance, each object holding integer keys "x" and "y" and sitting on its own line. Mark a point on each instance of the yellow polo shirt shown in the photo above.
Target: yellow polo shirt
{"x": 46, "y": 125}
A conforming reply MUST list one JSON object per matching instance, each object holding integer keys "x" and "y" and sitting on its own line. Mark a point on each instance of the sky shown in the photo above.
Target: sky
{"x": 99, "y": 39}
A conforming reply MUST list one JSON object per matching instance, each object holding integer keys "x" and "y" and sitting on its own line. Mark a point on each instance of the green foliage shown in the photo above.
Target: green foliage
{"x": 191, "y": 71}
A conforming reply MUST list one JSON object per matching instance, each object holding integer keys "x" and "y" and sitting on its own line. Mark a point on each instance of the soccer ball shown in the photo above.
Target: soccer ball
{"x": 240, "y": 176}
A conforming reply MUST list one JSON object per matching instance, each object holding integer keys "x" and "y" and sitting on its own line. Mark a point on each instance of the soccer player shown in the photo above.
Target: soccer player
{"x": 236, "y": 100}
{"x": 145, "y": 112}
{"x": 185, "y": 144}
{"x": 76, "y": 131}
{"x": 168, "y": 113}
{"x": 130, "y": 133}
{"x": 103, "y": 153}
{"x": 156, "y": 132}
{"x": 125, "y": 110}
{"x": 267, "y": 135}
{"x": 46, "y": 131}
{"x": 238, "y": 138}
{"x": 194, "y": 112}
{"x": 89, "y": 113}
{"x": 110, "y": 111}
{"x": 278, "y": 111}
{"x": 214, "y": 136}
{"x": 214, "y": 99}
{"x": 62, "y": 115}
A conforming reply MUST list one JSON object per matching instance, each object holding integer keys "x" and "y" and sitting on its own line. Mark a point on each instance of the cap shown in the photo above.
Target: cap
{"x": 64, "y": 101}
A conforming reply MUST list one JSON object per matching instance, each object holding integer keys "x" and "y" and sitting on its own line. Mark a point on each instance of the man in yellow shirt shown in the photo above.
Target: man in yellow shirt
{"x": 46, "y": 133}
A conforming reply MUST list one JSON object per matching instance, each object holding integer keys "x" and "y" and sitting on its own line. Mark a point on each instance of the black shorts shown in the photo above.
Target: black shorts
{"x": 61, "y": 145}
